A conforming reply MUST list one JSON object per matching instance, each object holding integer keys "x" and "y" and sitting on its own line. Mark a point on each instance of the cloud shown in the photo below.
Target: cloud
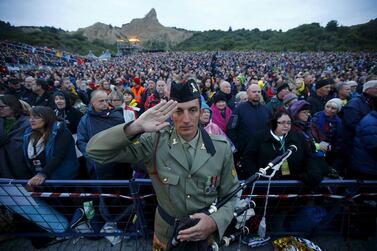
{"x": 192, "y": 15}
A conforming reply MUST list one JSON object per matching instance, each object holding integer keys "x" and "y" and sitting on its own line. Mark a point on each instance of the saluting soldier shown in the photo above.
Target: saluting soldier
{"x": 189, "y": 168}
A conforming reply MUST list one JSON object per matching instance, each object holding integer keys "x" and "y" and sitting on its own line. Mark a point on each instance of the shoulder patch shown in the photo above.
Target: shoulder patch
{"x": 135, "y": 142}
{"x": 234, "y": 172}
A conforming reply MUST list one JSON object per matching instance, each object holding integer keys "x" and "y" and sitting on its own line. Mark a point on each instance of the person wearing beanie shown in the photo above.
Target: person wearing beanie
{"x": 370, "y": 87}
{"x": 137, "y": 89}
{"x": 336, "y": 103}
{"x": 320, "y": 96}
{"x": 220, "y": 111}
{"x": 237, "y": 85}
{"x": 277, "y": 101}
{"x": 327, "y": 132}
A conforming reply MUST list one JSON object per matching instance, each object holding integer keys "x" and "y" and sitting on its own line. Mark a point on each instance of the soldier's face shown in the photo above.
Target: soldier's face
{"x": 186, "y": 119}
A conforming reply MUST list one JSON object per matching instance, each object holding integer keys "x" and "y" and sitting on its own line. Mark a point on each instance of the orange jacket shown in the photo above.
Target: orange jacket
{"x": 138, "y": 91}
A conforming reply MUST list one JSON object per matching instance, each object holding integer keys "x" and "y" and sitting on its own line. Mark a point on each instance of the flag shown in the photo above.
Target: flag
{"x": 80, "y": 61}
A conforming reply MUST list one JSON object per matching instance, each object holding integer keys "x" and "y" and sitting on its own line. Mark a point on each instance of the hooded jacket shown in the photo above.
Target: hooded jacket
{"x": 69, "y": 115}
{"x": 364, "y": 154}
{"x": 92, "y": 123}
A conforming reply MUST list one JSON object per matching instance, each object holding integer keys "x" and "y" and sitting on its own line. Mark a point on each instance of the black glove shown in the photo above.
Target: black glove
{"x": 176, "y": 245}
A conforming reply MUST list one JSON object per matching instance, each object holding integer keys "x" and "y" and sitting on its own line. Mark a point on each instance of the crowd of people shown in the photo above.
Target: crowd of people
{"x": 241, "y": 92}
{"x": 261, "y": 102}
{"x": 20, "y": 54}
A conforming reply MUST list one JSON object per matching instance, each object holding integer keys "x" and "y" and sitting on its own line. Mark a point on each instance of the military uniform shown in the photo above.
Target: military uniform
{"x": 181, "y": 189}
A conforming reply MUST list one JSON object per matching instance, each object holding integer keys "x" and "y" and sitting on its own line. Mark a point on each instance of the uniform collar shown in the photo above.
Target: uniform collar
{"x": 193, "y": 143}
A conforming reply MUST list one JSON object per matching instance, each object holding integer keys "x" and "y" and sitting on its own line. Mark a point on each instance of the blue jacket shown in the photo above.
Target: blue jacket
{"x": 353, "y": 112}
{"x": 91, "y": 124}
{"x": 364, "y": 154}
{"x": 68, "y": 168}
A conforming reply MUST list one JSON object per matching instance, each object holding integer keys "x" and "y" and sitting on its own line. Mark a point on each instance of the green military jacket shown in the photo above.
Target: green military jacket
{"x": 180, "y": 190}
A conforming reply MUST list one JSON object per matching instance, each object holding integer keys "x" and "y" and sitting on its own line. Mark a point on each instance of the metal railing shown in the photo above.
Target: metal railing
{"x": 125, "y": 208}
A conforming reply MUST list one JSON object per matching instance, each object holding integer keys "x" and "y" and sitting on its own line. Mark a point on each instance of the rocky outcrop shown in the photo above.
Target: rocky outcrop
{"x": 147, "y": 29}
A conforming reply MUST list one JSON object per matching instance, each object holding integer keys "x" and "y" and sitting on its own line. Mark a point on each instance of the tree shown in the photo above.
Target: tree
{"x": 332, "y": 25}
{"x": 230, "y": 29}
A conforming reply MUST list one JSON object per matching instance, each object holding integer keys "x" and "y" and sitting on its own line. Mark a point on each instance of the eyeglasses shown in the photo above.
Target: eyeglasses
{"x": 305, "y": 112}
{"x": 284, "y": 122}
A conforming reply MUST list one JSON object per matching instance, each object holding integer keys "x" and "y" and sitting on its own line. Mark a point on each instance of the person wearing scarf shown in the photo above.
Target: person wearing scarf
{"x": 220, "y": 111}
{"x": 49, "y": 148}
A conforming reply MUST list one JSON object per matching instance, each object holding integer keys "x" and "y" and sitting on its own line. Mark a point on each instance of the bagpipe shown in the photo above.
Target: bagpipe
{"x": 241, "y": 214}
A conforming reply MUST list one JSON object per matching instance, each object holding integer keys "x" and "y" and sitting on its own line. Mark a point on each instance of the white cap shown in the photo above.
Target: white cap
{"x": 369, "y": 84}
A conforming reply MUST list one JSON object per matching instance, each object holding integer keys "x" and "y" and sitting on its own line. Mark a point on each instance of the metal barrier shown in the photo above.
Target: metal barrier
{"x": 125, "y": 209}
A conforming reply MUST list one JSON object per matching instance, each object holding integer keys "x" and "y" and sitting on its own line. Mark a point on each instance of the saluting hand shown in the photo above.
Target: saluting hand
{"x": 205, "y": 227}
{"x": 154, "y": 119}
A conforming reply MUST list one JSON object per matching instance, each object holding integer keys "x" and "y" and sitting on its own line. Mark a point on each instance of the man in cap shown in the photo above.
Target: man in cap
{"x": 277, "y": 101}
{"x": 189, "y": 169}
{"x": 321, "y": 95}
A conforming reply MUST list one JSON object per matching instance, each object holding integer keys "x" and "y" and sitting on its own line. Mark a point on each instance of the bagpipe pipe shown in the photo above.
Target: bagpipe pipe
{"x": 240, "y": 214}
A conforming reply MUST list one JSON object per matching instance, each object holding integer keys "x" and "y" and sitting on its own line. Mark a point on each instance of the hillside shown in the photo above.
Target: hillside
{"x": 53, "y": 38}
{"x": 307, "y": 37}
{"x": 154, "y": 36}
{"x": 99, "y": 37}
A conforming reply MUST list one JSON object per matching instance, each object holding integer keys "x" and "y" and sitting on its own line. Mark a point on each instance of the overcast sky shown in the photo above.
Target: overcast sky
{"x": 198, "y": 15}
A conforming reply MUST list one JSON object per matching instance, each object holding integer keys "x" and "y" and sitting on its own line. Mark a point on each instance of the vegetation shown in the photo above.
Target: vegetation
{"x": 307, "y": 37}
{"x": 53, "y": 38}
